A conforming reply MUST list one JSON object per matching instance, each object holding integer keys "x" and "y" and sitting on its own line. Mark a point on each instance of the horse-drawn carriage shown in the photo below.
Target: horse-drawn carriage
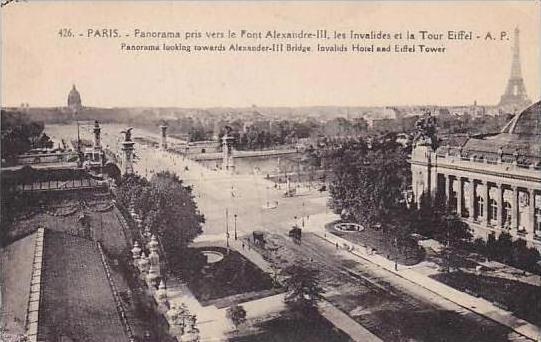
{"x": 295, "y": 233}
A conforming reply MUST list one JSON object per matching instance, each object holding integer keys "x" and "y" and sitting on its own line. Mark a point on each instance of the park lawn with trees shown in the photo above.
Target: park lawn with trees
{"x": 302, "y": 321}
{"x": 368, "y": 181}
{"x": 367, "y": 185}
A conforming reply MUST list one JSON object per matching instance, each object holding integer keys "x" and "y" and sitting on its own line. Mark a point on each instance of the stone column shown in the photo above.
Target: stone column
{"x": 227, "y": 153}
{"x": 531, "y": 211}
{"x": 163, "y": 144}
{"x": 514, "y": 208}
{"x": 486, "y": 199}
{"x": 433, "y": 175}
{"x": 473, "y": 197}
{"x": 127, "y": 157}
{"x": 447, "y": 180}
{"x": 97, "y": 130}
{"x": 459, "y": 196}
{"x": 500, "y": 205}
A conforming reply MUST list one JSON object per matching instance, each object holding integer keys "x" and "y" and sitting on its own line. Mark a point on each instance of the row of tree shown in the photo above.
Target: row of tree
{"x": 262, "y": 134}
{"x": 20, "y": 134}
{"x": 167, "y": 208}
{"x": 505, "y": 250}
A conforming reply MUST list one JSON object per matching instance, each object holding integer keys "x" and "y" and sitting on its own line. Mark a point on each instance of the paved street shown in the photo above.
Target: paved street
{"x": 255, "y": 201}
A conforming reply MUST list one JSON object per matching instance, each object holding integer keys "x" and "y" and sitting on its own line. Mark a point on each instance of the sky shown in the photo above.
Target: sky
{"x": 39, "y": 67}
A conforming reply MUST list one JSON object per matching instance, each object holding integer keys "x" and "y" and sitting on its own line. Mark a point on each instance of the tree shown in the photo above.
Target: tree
{"x": 167, "y": 208}
{"x": 20, "y": 134}
{"x": 237, "y": 315}
{"x": 457, "y": 232}
{"x": 303, "y": 291}
{"x": 368, "y": 183}
{"x": 491, "y": 247}
{"x": 504, "y": 248}
{"x": 524, "y": 257}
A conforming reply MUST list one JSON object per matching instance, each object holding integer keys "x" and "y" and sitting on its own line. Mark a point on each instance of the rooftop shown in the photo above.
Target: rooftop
{"x": 519, "y": 141}
{"x": 77, "y": 301}
{"x": 528, "y": 122}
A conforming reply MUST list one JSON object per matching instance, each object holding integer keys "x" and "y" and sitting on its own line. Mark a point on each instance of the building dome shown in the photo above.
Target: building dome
{"x": 528, "y": 122}
{"x": 74, "y": 99}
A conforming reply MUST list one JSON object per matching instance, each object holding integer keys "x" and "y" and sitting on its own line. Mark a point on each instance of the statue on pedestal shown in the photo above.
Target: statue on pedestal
{"x": 425, "y": 131}
{"x": 136, "y": 252}
{"x": 127, "y": 133}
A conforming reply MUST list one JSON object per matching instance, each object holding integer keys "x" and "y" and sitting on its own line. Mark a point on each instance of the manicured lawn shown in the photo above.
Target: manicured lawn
{"x": 231, "y": 276}
{"x": 408, "y": 252}
{"x": 522, "y": 299}
{"x": 288, "y": 329}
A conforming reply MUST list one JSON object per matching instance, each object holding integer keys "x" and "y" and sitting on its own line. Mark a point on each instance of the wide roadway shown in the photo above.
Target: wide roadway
{"x": 256, "y": 202}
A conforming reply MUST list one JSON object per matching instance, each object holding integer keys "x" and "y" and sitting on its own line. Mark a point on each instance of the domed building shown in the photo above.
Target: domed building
{"x": 74, "y": 100}
{"x": 492, "y": 181}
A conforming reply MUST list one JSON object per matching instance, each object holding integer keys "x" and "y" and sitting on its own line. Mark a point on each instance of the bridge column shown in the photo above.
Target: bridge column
{"x": 227, "y": 152}
{"x": 163, "y": 144}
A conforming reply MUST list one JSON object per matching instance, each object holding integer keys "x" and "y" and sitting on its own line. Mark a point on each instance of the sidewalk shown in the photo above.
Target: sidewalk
{"x": 345, "y": 323}
{"x": 414, "y": 274}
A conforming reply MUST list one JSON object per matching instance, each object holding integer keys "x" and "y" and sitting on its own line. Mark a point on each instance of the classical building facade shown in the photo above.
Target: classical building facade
{"x": 493, "y": 182}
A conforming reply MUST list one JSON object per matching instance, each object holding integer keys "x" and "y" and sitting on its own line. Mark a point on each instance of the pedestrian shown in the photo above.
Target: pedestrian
{"x": 243, "y": 245}
{"x": 337, "y": 245}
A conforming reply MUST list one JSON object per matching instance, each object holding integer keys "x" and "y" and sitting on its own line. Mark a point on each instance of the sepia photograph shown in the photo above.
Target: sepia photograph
{"x": 270, "y": 171}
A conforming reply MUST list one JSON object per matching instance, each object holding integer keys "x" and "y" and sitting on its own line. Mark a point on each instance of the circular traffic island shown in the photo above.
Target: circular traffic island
{"x": 348, "y": 227}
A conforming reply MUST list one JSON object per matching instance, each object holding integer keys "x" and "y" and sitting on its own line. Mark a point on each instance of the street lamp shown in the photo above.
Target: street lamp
{"x": 235, "y": 226}
{"x": 303, "y": 214}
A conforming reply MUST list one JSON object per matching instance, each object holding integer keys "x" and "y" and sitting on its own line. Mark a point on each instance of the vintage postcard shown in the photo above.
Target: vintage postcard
{"x": 270, "y": 171}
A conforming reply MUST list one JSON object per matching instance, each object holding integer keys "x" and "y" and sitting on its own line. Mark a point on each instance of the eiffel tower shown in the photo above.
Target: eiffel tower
{"x": 515, "y": 96}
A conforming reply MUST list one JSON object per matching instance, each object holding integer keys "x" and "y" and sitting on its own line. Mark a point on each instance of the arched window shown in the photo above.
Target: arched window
{"x": 479, "y": 207}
